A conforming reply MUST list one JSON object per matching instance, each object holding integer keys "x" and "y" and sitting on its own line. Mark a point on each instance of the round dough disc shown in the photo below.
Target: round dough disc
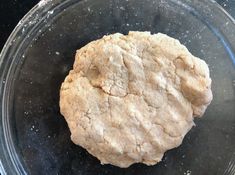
{"x": 130, "y": 98}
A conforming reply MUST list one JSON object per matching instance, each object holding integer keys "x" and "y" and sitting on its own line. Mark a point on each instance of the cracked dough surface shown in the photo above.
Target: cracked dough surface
{"x": 130, "y": 98}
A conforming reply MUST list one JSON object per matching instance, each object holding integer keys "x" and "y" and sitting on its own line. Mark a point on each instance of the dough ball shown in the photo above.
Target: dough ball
{"x": 130, "y": 98}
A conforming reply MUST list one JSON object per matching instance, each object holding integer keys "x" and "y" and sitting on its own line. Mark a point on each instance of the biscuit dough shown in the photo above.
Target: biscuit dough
{"x": 130, "y": 98}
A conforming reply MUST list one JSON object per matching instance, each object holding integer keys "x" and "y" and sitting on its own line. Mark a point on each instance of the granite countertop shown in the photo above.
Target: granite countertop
{"x": 11, "y": 11}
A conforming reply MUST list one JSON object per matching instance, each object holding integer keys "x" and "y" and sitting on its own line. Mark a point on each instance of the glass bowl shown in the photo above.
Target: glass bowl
{"x": 34, "y": 137}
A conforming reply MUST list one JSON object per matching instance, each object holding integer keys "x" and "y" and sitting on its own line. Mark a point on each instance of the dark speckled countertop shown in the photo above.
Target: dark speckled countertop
{"x": 11, "y": 11}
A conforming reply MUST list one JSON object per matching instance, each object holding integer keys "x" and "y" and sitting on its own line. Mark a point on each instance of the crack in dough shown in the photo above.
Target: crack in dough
{"x": 130, "y": 98}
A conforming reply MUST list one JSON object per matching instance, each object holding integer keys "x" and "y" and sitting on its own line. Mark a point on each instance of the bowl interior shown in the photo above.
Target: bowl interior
{"x": 40, "y": 134}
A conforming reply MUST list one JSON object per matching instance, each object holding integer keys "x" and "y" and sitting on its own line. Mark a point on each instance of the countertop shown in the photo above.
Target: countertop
{"x": 11, "y": 11}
